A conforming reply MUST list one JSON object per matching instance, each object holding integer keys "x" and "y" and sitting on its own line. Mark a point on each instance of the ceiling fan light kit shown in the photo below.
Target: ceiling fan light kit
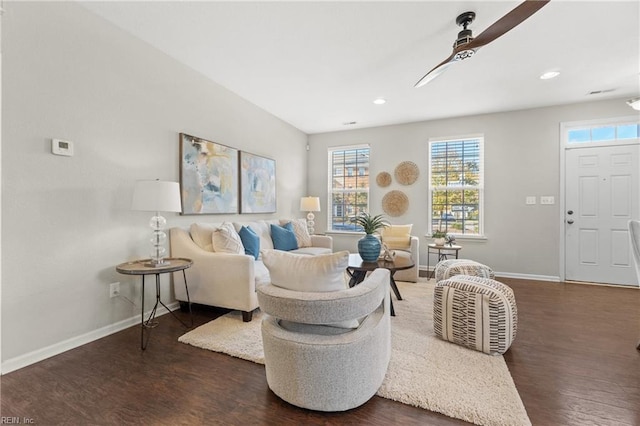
{"x": 466, "y": 45}
{"x": 634, "y": 103}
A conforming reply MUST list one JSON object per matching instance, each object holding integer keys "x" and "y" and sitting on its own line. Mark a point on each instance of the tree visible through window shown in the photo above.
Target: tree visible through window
{"x": 349, "y": 186}
{"x": 456, "y": 185}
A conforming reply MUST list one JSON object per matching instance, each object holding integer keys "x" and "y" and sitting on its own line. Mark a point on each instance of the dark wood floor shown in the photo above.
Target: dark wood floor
{"x": 574, "y": 362}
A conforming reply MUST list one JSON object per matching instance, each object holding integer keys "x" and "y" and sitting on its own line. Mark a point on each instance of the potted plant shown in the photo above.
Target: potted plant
{"x": 439, "y": 237}
{"x": 369, "y": 246}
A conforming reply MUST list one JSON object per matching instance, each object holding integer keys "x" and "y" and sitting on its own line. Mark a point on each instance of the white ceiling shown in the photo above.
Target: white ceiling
{"x": 318, "y": 65}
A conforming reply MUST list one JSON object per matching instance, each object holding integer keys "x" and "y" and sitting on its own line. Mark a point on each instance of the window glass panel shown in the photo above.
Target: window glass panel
{"x": 456, "y": 185}
{"x": 603, "y": 133}
{"x": 579, "y": 135}
{"x": 349, "y": 193}
{"x": 628, "y": 131}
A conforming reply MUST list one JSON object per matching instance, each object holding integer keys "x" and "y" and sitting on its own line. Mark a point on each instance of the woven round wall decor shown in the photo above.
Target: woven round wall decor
{"x": 395, "y": 203}
{"x": 383, "y": 179}
{"x": 407, "y": 173}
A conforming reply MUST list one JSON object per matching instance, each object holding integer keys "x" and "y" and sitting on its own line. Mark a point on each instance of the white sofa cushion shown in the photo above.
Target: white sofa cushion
{"x": 261, "y": 273}
{"x": 312, "y": 251}
{"x": 322, "y": 273}
{"x": 225, "y": 239}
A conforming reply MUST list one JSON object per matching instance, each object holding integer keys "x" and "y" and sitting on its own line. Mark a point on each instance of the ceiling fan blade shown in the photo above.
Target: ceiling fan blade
{"x": 508, "y": 22}
{"x": 436, "y": 71}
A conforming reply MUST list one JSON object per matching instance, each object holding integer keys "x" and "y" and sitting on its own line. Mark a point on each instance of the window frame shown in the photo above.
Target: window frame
{"x": 330, "y": 190}
{"x": 480, "y": 187}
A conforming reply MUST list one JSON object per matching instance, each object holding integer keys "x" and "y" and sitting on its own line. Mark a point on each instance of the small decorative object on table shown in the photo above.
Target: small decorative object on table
{"x": 450, "y": 239}
{"x": 369, "y": 246}
{"x": 386, "y": 253}
{"x": 439, "y": 237}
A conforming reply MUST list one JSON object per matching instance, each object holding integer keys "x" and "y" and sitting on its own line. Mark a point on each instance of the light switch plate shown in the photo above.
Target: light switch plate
{"x": 60, "y": 147}
{"x": 547, "y": 199}
{"x": 530, "y": 200}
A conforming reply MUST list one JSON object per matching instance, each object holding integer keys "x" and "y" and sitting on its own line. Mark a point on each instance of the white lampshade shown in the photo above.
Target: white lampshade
{"x": 156, "y": 196}
{"x": 310, "y": 204}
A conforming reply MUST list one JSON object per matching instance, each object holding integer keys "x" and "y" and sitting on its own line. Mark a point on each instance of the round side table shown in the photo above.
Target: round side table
{"x": 443, "y": 253}
{"x": 143, "y": 268}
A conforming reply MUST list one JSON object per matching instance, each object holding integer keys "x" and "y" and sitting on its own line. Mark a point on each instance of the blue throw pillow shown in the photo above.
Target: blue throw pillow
{"x": 250, "y": 241}
{"x": 283, "y": 237}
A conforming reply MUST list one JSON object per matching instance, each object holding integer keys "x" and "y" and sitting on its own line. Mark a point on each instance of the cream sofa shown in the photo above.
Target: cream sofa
{"x": 228, "y": 280}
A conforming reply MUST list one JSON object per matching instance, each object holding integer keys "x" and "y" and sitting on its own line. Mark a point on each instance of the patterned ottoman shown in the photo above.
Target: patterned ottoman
{"x": 475, "y": 312}
{"x": 452, "y": 267}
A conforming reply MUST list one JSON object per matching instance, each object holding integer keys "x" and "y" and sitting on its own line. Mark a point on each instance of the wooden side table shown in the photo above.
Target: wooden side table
{"x": 443, "y": 253}
{"x": 141, "y": 267}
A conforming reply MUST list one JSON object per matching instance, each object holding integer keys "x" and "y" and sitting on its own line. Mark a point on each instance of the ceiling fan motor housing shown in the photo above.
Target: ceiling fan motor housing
{"x": 464, "y": 36}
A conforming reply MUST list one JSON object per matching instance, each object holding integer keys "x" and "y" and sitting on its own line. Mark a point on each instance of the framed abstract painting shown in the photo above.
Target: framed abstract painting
{"x": 257, "y": 184}
{"x": 208, "y": 176}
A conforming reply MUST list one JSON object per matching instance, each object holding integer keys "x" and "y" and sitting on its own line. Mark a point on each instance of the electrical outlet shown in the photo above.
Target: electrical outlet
{"x": 530, "y": 200}
{"x": 114, "y": 289}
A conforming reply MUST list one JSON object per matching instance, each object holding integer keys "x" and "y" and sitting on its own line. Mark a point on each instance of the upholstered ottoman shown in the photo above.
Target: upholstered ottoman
{"x": 475, "y": 312}
{"x": 451, "y": 267}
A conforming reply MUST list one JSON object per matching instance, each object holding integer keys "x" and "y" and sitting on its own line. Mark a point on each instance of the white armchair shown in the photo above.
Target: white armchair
{"x": 398, "y": 238}
{"x": 313, "y": 363}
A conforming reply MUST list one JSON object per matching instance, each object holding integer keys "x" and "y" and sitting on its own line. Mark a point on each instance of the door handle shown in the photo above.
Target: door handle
{"x": 570, "y": 221}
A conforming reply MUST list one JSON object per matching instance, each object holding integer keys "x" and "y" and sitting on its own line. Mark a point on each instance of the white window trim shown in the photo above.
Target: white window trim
{"x": 481, "y": 235}
{"x": 330, "y": 190}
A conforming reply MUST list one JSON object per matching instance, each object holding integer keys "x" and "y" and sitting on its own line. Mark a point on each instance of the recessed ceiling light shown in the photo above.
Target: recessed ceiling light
{"x": 549, "y": 75}
{"x": 380, "y": 101}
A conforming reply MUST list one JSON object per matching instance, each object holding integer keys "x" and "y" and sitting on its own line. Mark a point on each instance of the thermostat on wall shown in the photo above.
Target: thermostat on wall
{"x": 60, "y": 147}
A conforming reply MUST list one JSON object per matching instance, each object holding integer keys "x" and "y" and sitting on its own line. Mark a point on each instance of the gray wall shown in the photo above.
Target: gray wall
{"x": 66, "y": 222}
{"x": 522, "y": 157}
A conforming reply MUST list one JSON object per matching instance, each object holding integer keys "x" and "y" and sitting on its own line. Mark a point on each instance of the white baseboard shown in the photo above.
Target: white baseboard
{"x": 38, "y": 355}
{"x": 551, "y": 278}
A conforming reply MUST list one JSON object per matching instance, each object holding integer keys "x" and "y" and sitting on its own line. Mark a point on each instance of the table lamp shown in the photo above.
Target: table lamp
{"x": 310, "y": 205}
{"x": 157, "y": 196}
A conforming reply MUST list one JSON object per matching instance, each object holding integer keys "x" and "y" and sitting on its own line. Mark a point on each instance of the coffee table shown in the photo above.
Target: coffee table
{"x": 358, "y": 269}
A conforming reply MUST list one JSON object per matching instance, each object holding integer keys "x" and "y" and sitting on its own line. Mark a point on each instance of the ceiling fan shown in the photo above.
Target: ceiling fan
{"x": 466, "y": 45}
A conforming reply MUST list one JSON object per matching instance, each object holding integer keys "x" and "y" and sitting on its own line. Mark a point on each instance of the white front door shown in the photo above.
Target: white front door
{"x": 602, "y": 195}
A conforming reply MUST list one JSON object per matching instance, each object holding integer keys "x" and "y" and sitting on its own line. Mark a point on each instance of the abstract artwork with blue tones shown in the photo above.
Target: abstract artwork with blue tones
{"x": 257, "y": 184}
{"x": 208, "y": 176}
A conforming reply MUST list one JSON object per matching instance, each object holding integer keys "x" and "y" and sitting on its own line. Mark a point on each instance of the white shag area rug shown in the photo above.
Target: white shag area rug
{"x": 424, "y": 371}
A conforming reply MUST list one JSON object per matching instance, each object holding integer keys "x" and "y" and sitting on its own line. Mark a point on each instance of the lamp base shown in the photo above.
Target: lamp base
{"x": 311, "y": 223}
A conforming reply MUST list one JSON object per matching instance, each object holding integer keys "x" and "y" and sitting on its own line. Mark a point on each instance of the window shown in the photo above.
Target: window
{"x": 456, "y": 186}
{"x": 603, "y": 133}
{"x": 348, "y": 191}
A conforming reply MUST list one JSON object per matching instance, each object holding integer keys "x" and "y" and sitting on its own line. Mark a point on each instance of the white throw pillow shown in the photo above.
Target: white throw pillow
{"x": 225, "y": 239}
{"x": 201, "y": 235}
{"x": 300, "y": 230}
{"x": 297, "y": 272}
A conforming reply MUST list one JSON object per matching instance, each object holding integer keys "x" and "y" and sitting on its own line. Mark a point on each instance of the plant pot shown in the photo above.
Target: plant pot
{"x": 369, "y": 248}
{"x": 439, "y": 241}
